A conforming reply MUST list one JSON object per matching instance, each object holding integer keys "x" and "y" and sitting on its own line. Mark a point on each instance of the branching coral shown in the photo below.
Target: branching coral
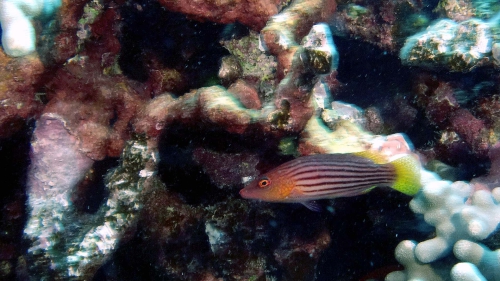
{"x": 458, "y": 224}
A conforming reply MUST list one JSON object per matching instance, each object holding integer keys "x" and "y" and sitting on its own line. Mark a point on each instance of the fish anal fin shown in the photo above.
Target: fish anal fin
{"x": 312, "y": 205}
{"x": 368, "y": 190}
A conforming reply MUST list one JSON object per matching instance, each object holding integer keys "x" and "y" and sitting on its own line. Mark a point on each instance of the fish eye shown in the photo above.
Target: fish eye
{"x": 264, "y": 182}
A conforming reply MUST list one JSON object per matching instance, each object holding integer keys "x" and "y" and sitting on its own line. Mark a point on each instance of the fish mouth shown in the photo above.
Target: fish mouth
{"x": 248, "y": 194}
{"x": 244, "y": 193}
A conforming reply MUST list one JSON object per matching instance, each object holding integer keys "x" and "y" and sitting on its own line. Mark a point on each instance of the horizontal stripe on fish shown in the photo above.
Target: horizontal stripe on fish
{"x": 334, "y": 194}
{"x": 360, "y": 162}
{"x": 341, "y": 183}
{"x": 352, "y": 190}
{"x": 331, "y": 158}
{"x": 344, "y": 186}
{"x": 340, "y": 169}
{"x": 307, "y": 172}
{"x": 312, "y": 165}
{"x": 332, "y": 173}
{"x": 342, "y": 175}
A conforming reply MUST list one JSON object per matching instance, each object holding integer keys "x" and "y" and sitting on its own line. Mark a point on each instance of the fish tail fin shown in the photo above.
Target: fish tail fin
{"x": 407, "y": 170}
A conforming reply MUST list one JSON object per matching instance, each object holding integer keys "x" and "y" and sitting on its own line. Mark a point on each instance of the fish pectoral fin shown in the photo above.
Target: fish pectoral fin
{"x": 312, "y": 205}
{"x": 296, "y": 194}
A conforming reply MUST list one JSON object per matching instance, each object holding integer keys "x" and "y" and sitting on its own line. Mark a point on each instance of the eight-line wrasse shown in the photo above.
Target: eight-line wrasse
{"x": 326, "y": 176}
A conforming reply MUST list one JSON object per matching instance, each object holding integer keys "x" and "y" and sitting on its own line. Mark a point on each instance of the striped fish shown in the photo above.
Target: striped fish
{"x": 326, "y": 176}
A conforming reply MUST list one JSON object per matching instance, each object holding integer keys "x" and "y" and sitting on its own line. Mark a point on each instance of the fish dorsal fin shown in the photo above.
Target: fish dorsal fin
{"x": 376, "y": 157}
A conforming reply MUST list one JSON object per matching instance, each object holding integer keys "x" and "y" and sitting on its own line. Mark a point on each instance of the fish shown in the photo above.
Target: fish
{"x": 327, "y": 176}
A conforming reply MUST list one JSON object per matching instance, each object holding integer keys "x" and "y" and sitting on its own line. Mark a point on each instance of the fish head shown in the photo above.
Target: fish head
{"x": 271, "y": 187}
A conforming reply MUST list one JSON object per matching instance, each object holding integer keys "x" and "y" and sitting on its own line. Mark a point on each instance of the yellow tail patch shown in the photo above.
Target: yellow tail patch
{"x": 407, "y": 175}
{"x": 376, "y": 157}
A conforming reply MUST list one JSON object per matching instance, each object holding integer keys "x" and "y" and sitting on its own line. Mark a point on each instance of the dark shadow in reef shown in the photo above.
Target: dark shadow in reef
{"x": 365, "y": 230}
{"x": 143, "y": 258}
{"x": 369, "y": 73}
{"x": 14, "y": 163}
{"x": 374, "y": 77}
{"x": 180, "y": 173}
{"x": 190, "y": 47}
{"x": 91, "y": 192}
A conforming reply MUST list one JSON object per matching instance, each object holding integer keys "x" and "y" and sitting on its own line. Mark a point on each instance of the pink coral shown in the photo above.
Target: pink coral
{"x": 89, "y": 102}
{"x": 246, "y": 94}
{"x": 18, "y": 92}
{"x": 471, "y": 129}
{"x": 459, "y": 125}
{"x": 492, "y": 180}
{"x": 57, "y": 165}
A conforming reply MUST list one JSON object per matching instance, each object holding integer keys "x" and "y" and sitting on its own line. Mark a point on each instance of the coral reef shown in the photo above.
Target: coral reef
{"x": 19, "y": 76}
{"x": 88, "y": 116}
{"x": 54, "y": 173}
{"x": 291, "y": 109}
{"x": 456, "y": 10}
{"x": 147, "y": 117}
